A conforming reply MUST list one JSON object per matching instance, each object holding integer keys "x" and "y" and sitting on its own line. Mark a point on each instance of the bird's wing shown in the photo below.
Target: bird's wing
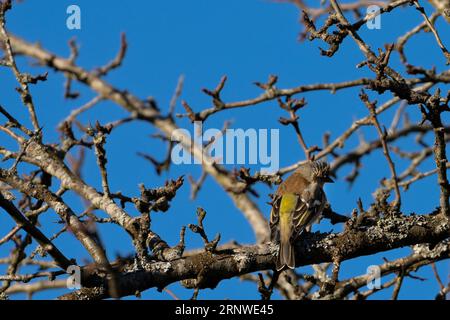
{"x": 302, "y": 217}
{"x": 275, "y": 217}
{"x": 308, "y": 209}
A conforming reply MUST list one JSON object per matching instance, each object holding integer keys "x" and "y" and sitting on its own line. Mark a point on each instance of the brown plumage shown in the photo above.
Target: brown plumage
{"x": 298, "y": 202}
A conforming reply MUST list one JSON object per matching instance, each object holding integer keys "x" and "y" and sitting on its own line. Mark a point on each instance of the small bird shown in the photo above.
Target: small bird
{"x": 298, "y": 203}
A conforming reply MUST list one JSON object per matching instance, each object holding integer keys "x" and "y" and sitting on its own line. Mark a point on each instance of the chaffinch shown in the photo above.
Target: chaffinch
{"x": 297, "y": 203}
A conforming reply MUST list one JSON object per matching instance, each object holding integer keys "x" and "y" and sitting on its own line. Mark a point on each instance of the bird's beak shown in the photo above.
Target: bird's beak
{"x": 328, "y": 179}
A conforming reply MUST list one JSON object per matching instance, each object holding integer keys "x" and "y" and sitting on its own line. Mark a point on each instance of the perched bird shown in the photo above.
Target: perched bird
{"x": 297, "y": 203}
{"x": 443, "y": 6}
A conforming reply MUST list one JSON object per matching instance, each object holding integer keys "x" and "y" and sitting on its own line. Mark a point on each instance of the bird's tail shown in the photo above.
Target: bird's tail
{"x": 286, "y": 255}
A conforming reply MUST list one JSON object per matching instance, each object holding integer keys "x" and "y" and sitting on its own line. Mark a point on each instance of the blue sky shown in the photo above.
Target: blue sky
{"x": 204, "y": 40}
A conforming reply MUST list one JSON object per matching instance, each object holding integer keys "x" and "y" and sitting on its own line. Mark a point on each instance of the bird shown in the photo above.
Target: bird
{"x": 443, "y": 6}
{"x": 296, "y": 205}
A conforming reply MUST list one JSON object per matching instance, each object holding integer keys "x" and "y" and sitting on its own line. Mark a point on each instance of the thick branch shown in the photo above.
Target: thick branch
{"x": 209, "y": 269}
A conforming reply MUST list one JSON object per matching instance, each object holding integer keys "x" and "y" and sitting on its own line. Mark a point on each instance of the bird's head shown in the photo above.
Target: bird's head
{"x": 320, "y": 171}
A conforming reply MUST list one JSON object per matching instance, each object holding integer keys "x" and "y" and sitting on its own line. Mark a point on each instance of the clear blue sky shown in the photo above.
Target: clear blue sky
{"x": 203, "y": 40}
